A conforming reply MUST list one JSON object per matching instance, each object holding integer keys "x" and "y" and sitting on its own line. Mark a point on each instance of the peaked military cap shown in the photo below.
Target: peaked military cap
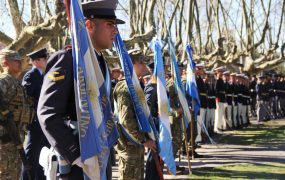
{"x": 200, "y": 65}
{"x": 226, "y": 73}
{"x": 137, "y": 56}
{"x": 40, "y": 53}
{"x": 10, "y": 55}
{"x": 104, "y": 9}
{"x": 219, "y": 69}
{"x": 210, "y": 73}
{"x": 151, "y": 65}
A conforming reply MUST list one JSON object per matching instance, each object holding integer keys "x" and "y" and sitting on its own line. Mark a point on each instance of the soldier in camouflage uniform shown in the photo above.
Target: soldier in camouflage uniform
{"x": 131, "y": 143}
{"x": 175, "y": 116}
{"x": 175, "y": 120}
{"x": 14, "y": 106}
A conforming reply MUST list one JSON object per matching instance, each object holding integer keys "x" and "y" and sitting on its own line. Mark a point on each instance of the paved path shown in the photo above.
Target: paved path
{"x": 228, "y": 154}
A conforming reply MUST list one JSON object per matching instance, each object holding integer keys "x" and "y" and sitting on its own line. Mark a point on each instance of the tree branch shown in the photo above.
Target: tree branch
{"x": 15, "y": 15}
{"x": 5, "y": 39}
{"x": 49, "y": 29}
{"x": 140, "y": 38}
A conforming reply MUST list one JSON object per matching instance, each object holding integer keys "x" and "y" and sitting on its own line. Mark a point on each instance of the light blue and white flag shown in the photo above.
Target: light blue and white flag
{"x": 178, "y": 84}
{"x": 191, "y": 85}
{"x": 136, "y": 92}
{"x": 165, "y": 141}
{"x": 97, "y": 132}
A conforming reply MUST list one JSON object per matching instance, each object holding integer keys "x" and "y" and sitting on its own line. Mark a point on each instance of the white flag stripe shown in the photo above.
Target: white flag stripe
{"x": 184, "y": 104}
{"x": 163, "y": 105}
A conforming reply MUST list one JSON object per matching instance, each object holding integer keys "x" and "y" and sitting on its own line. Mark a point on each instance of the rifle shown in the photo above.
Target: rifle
{"x": 14, "y": 134}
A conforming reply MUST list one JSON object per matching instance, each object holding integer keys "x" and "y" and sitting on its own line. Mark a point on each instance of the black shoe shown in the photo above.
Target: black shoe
{"x": 180, "y": 170}
{"x": 198, "y": 145}
{"x": 196, "y": 155}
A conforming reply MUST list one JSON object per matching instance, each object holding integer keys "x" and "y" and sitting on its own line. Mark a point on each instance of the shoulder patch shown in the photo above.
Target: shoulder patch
{"x": 56, "y": 75}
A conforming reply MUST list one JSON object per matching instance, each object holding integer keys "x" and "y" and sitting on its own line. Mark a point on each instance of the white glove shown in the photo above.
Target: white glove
{"x": 78, "y": 162}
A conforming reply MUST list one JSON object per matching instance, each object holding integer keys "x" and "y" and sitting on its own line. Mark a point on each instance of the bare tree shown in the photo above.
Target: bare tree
{"x": 221, "y": 32}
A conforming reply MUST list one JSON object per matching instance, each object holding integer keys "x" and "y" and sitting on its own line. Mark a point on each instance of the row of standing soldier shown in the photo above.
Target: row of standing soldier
{"x": 224, "y": 103}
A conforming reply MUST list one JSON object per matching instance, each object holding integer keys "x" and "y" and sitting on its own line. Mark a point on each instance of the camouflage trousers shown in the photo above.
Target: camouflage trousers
{"x": 10, "y": 165}
{"x": 131, "y": 162}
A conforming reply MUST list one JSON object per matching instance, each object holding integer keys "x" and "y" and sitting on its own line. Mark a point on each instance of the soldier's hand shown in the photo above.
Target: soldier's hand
{"x": 150, "y": 144}
{"x": 180, "y": 111}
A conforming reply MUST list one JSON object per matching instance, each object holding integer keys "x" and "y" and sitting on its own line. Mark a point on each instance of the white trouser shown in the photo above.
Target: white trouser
{"x": 210, "y": 118}
{"x": 200, "y": 119}
{"x": 243, "y": 114}
{"x": 229, "y": 115}
{"x": 219, "y": 116}
{"x": 235, "y": 112}
{"x": 239, "y": 115}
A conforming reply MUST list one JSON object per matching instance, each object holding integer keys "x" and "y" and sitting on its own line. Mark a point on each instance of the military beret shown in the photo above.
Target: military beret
{"x": 10, "y": 55}
{"x": 40, "y": 53}
{"x": 115, "y": 67}
{"x": 104, "y": 9}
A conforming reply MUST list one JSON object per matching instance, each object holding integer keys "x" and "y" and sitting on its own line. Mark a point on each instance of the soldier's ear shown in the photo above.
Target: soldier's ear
{"x": 4, "y": 63}
{"x": 89, "y": 24}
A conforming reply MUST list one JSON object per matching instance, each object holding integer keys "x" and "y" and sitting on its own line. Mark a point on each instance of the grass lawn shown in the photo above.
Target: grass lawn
{"x": 270, "y": 135}
{"x": 242, "y": 171}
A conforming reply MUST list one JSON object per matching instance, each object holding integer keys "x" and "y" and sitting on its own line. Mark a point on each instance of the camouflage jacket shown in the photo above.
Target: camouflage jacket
{"x": 126, "y": 114}
{"x": 15, "y": 99}
{"x": 173, "y": 98}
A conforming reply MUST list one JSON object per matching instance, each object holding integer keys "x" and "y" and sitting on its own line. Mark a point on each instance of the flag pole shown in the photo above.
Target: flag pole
{"x": 186, "y": 146}
{"x": 180, "y": 140}
{"x": 157, "y": 164}
{"x": 67, "y": 8}
{"x": 192, "y": 134}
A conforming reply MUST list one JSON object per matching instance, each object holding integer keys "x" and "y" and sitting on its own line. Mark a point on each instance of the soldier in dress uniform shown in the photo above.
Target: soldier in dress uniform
{"x": 279, "y": 95}
{"x": 35, "y": 139}
{"x": 262, "y": 97}
{"x": 203, "y": 100}
{"x": 247, "y": 100}
{"x": 131, "y": 143}
{"x": 252, "y": 86}
{"x": 15, "y": 114}
{"x": 239, "y": 99}
{"x": 220, "y": 123}
{"x": 267, "y": 103}
{"x": 243, "y": 95}
{"x": 211, "y": 102}
{"x": 281, "y": 90}
{"x": 272, "y": 96}
{"x": 229, "y": 98}
{"x": 233, "y": 81}
{"x": 57, "y": 99}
